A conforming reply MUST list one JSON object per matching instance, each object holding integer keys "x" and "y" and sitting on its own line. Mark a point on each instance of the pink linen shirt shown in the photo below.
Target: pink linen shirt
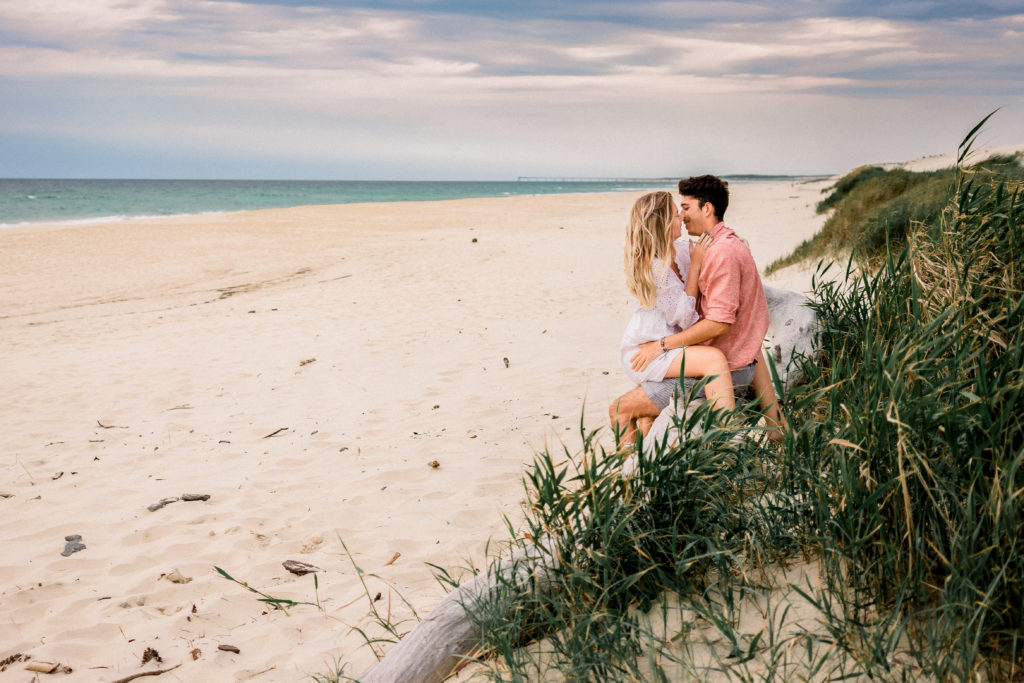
{"x": 731, "y": 292}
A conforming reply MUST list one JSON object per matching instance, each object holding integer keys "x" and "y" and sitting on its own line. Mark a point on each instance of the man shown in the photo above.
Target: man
{"x": 732, "y": 305}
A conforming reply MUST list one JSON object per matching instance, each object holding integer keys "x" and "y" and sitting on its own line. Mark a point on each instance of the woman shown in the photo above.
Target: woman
{"x": 661, "y": 272}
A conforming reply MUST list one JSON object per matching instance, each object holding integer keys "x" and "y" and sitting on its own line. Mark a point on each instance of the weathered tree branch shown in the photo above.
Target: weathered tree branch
{"x": 441, "y": 644}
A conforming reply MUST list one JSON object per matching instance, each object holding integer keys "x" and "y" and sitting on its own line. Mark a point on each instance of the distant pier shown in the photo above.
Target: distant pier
{"x": 546, "y": 179}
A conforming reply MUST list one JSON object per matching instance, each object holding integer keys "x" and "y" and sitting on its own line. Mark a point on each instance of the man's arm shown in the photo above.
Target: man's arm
{"x": 698, "y": 333}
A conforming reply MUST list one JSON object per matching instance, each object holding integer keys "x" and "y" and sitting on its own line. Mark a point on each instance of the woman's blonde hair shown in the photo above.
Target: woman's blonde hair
{"x": 648, "y": 237}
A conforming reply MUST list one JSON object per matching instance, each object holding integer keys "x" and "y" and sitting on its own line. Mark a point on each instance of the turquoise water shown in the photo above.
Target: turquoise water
{"x": 38, "y": 201}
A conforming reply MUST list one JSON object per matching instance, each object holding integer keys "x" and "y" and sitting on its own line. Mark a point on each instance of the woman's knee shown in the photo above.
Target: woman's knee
{"x": 632, "y": 404}
{"x": 713, "y": 362}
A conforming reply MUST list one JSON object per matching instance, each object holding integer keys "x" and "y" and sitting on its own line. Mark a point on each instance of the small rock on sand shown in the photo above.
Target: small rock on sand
{"x": 166, "y": 501}
{"x": 73, "y": 545}
{"x": 174, "y": 576}
{"x": 300, "y": 568}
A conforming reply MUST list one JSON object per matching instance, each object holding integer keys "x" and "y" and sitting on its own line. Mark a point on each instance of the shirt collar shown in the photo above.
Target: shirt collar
{"x": 720, "y": 229}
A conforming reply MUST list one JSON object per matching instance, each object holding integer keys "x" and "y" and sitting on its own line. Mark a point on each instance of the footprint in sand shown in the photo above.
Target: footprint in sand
{"x": 312, "y": 545}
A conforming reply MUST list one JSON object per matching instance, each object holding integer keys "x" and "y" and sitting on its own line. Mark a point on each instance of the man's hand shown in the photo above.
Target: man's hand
{"x": 647, "y": 353}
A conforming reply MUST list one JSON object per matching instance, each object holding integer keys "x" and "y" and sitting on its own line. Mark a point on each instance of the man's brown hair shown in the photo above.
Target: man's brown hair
{"x": 707, "y": 188}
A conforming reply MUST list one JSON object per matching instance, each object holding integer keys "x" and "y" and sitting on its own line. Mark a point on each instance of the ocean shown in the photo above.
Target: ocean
{"x": 25, "y": 201}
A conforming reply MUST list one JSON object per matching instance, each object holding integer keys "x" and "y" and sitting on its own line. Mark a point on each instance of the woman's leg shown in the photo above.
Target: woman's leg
{"x": 627, "y": 410}
{"x": 703, "y": 361}
{"x": 644, "y": 424}
{"x": 765, "y": 390}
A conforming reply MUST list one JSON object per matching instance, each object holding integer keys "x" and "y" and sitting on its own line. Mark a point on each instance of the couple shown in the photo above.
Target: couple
{"x": 706, "y": 298}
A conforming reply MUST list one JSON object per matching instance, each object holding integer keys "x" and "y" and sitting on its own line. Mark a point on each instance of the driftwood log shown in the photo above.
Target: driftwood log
{"x": 442, "y": 643}
{"x": 791, "y": 333}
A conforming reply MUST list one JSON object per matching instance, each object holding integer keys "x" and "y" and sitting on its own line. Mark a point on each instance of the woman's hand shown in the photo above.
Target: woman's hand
{"x": 697, "y": 252}
{"x": 647, "y": 353}
{"x": 700, "y": 248}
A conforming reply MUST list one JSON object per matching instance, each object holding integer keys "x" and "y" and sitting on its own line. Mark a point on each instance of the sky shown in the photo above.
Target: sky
{"x": 461, "y": 90}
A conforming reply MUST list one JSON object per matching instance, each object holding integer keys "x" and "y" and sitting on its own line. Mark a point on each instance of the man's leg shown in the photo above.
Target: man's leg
{"x": 765, "y": 390}
{"x": 742, "y": 380}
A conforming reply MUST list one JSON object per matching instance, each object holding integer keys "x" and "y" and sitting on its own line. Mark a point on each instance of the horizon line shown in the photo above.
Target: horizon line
{"x": 518, "y": 179}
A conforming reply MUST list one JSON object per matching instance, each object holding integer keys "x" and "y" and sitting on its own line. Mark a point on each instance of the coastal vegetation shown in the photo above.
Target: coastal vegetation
{"x": 882, "y": 540}
{"x": 873, "y": 210}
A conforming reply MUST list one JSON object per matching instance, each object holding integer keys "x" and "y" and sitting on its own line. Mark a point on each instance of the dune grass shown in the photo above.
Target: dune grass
{"x": 900, "y": 482}
{"x": 873, "y": 208}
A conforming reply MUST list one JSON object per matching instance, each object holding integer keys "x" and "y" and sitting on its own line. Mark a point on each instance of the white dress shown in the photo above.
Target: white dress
{"x": 674, "y": 310}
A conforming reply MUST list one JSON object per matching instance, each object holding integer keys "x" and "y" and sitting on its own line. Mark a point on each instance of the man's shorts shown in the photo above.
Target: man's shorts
{"x": 661, "y": 392}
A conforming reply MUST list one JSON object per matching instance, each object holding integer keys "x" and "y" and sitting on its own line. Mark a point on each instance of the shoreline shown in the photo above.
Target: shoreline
{"x": 634, "y": 185}
{"x": 100, "y": 220}
{"x": 235, "y": 197}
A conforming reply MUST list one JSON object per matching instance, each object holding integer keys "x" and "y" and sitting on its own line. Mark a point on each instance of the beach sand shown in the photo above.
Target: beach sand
{"x": 303, "y": 368}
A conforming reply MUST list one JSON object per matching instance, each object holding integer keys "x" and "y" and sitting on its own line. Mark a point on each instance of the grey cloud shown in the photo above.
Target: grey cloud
{"x": 427, "y": 78}
{"x": 652, "y": 13}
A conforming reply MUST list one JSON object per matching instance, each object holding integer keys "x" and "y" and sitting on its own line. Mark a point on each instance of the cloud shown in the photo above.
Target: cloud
{"x": 70, "y": 21}
{"x": 248, "y": 43}
{"x": 538, "y": 79}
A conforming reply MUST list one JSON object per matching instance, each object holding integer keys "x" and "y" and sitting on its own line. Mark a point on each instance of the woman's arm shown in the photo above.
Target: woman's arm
{"x": 697, "y": 253}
